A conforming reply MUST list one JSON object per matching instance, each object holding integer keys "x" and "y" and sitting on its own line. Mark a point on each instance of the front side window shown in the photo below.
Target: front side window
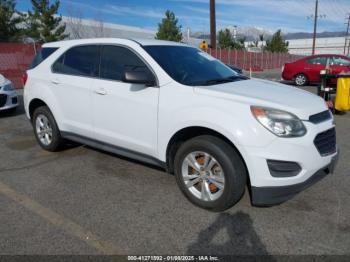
{"x": 190, "y": 66}
{"x": 340, "y": 61}
{"x": 80, "y": 61}
{"x": 322, "y": 60}
{"x": 115, "y": 60}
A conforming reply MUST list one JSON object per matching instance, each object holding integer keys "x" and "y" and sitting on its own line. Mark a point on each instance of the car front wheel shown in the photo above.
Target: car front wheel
{"x": 210, "y": 173}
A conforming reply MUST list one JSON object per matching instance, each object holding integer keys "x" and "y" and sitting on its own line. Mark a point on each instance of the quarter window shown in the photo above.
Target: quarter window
{"x": 80, "y": 61}
{"x": 115, "y": 60}
{"x": 44, "y": 53}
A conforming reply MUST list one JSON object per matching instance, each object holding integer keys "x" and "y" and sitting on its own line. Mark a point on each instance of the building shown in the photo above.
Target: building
{"x": 83, "y": 28}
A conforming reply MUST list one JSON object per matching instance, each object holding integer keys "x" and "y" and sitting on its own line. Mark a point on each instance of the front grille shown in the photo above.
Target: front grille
{"x": 320, "y": 117}
{"x": 325, "y": 142}
{"x": 3, "y": 99}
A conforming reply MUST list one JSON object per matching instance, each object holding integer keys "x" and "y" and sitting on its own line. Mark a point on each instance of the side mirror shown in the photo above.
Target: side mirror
{"x": 139, "y": 77}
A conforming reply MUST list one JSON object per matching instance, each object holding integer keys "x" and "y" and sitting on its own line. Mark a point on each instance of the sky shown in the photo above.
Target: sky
{"x": 288, "y": 15}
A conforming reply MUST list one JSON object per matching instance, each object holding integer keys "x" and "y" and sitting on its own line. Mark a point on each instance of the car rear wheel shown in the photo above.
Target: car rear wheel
{"x": 300, "y": 80}
{"x": 46, "y": 130}
{"x": 210, "y": 173}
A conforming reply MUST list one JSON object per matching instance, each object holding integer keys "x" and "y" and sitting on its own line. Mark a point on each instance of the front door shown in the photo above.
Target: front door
{"x": 314, "y": 66}
{"x": 124, "y": 114}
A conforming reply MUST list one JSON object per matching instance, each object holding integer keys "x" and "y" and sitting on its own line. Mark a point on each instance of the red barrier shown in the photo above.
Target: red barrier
{"x": 256, "y": 61}
{"x": 15, "y": 59}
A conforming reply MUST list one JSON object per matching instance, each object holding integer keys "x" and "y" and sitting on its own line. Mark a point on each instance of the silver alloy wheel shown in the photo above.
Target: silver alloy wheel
{"x": 43, "y": 129}
{"x": 203, "y": 176}
{"x": 300, "y": 80}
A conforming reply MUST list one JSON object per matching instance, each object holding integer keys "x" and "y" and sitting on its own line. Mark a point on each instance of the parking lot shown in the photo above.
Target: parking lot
{"x": 84, "y": 201}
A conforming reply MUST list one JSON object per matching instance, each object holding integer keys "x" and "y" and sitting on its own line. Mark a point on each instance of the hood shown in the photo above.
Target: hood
{"x": 3, "y": 80}
{"x": 268, "y": 94}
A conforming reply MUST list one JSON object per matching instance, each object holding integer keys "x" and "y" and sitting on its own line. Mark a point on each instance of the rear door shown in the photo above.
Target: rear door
{"x": 124, "y": 114}
{"x": 313, "y": 66}
{"x": 73, "y": 74}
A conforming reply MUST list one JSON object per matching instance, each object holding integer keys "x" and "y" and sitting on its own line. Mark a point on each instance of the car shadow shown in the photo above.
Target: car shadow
{"x": 241, "y": 237}
{"x": 14, "y": 112}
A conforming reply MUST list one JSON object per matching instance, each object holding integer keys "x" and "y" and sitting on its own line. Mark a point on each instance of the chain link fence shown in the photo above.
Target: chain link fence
{"x": 15, "y": 59}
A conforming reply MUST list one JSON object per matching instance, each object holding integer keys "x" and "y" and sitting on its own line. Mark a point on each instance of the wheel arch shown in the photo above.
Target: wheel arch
{"x": 34, "y": 104}
{"x": 187, "y": 133}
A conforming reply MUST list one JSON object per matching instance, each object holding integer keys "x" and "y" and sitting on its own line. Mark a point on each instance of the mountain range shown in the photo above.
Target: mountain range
{"x": 252, "y": 33}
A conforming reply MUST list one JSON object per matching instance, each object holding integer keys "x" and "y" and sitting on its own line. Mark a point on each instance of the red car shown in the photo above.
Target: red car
{"x": 307, "y": 70}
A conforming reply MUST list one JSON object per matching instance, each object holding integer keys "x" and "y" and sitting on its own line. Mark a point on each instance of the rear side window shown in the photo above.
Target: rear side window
{"x": 42, "y": 54}
{"x": 115, "y": 60}
{"x": 80, "y": 61}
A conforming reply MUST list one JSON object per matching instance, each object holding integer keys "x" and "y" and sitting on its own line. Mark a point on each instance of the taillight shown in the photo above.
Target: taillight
{"x": 24, "y": 78}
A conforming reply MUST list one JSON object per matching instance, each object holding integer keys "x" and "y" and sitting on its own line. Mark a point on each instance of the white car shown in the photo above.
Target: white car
{"x": 174, "y": 106}
{"x": 8, "y": 95}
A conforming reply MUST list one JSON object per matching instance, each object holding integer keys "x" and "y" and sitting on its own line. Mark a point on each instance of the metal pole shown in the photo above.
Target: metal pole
{"x": 235, "y": 56}
{"x": 212, "y": 24}
{"x": 229, "y": 55}
{"x": 347, "y": 33}
{"x": 315, "y": 28}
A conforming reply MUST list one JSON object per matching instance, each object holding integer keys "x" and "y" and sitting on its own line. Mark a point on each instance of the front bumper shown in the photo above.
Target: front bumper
{"x": 8, "y": 100}
{"x": 269, "y": 196}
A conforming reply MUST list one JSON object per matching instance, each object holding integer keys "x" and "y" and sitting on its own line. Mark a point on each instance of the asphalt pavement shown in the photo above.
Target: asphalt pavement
{"x": 84, "y": 201}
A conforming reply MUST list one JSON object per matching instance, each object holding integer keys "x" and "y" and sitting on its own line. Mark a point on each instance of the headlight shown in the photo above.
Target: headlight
{"x": 8, "y": 87}
{"x": 278, "y": 122}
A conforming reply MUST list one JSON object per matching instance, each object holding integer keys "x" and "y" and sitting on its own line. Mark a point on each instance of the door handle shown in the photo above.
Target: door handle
{"x": 101, "y": 91}
{"x": 55, "y": 81}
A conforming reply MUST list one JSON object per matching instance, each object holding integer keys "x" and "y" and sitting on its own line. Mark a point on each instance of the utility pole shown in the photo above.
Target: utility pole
{"x": 315, "y": 17}
{"x": 347, "y": 34}
{"x": 212, "y": 25}
{"x": 315, "y": 28}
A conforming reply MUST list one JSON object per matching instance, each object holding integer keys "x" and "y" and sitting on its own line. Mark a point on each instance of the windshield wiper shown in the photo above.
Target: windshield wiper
{"x": 221, "y": 80}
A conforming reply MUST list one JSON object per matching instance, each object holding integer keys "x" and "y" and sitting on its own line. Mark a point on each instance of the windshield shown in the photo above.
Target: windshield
{"x": 191, "y": 66}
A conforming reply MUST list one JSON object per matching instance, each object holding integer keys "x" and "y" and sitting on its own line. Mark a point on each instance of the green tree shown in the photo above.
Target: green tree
{"x": 9, "y": 20}
{"x": 43, "y": 24}
{"x": 226, "y": 41}
{"x": 262, "y": 38}
{"x": 225, "y": 38}
{"x": 168, "y": 28}
{"x": 277, "y": 43}
{"x": 239, "y": 43}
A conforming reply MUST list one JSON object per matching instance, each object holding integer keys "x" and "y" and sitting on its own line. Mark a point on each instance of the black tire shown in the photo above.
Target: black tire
{"x": 57, "y": 142}
{"x": 233, "y": 167}
{"x": 301, "y": 80}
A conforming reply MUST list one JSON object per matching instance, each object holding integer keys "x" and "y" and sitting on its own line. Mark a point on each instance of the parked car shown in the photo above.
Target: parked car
{"x": 307, "y": 70}
{"x": 8, "y": 95}
{"x": 236, "y": 68}
{"x": 174, "y": 106}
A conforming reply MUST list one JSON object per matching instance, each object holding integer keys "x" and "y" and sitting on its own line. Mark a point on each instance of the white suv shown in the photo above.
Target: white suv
{"x": 175, "y": 106}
